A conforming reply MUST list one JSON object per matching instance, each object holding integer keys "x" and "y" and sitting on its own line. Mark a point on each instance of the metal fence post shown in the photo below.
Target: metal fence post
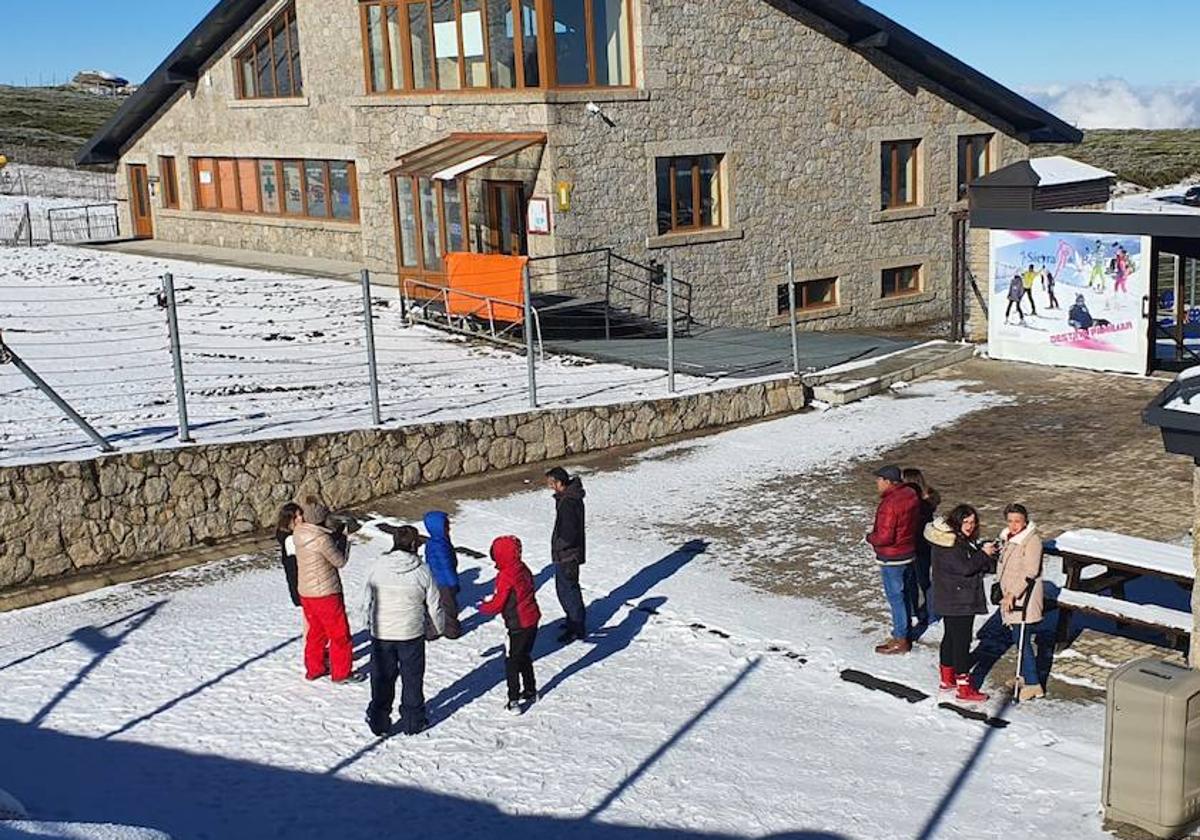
{"x": 670, "y": 326}
{"x": 372, "y": 370}
{"x": 28, "y": 224}
{"x": 607, "y": 294}
{"x": 50, "y": 224}
{"x": 87, "y": 218}
{"x": 791, "y": 285}
{"x": 527, "y": 293}
{"x": 7, "y": 355}
{"x": 185, "y": 434}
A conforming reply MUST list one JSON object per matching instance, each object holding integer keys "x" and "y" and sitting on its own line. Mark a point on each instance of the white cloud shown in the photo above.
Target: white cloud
{"x": 1114, "y": 103}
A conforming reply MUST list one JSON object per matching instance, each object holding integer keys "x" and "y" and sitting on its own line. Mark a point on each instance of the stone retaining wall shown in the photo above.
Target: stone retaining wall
{"x": 73, "y": 517}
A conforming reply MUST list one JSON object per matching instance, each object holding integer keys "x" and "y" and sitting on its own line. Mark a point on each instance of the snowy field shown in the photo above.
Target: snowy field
{"x": 265, "y": 355}
{"x": 700, "y": 706}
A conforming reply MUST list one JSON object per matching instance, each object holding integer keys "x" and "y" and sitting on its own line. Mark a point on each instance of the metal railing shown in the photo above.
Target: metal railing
{"x": 98, "y": 221}
{"x": 620, "y": 283}
{"x": 474, "y": 323}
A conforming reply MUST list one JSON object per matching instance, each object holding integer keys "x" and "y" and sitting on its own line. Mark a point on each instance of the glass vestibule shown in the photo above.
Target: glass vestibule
{"x": 431, "y": 222}
{"x": 1176, "y": 339}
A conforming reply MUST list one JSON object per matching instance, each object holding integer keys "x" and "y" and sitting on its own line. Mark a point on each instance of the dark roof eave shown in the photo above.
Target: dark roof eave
{"x": 180, "y": 68}
{"x": 860, "y": 21}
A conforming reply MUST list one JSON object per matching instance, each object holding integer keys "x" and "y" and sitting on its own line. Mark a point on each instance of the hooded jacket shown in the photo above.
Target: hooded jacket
{"x": 399, "y": 593}
{"x": 958, "y": 570}
{"x": 319, "y": 555}
{"x": 568, "y": 542}
{"x": 1020, "y": 575}
{"x": 439, "y": 551}
{"x": 897, "y": 524}
{"x": 515, "y": 596}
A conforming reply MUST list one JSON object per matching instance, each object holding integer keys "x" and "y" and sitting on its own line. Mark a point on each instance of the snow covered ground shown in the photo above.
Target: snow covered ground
{"x": 701, "y": 706}
{"x": 265, "y": 355}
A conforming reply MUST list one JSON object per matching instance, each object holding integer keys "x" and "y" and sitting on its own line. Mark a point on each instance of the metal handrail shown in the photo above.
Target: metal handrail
{"x": 445, "y": 291}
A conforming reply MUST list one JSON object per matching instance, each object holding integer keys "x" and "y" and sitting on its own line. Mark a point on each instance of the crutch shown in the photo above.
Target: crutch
{"x": 1018, "y": 683}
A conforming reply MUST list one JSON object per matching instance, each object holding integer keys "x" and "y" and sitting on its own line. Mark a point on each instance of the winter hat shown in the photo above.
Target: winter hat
{"x": 889, "y": 472}
{"x": 314, "y": 510}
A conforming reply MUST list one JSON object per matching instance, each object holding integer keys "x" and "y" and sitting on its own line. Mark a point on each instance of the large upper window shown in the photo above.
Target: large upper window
{"x": 689, "y": 193}
{"x": 974, "y": 160}
{"x": 270, "y": 66}
{"x": 899, "y": 169}
{"x": 314, "y": 189}
{"x": 427, "y": 45}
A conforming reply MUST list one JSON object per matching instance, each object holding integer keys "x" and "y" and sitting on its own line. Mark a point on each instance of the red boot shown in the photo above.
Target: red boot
{"x": 947, "y": 678}
{"x": 967, "y": 692}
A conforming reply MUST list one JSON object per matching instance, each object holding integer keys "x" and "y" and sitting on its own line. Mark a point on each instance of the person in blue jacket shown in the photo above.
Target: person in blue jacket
{"x": 442, "y": 560}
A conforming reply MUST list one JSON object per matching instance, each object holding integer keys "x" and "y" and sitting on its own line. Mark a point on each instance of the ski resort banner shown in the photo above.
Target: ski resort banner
{"x": 1069, "y": 299}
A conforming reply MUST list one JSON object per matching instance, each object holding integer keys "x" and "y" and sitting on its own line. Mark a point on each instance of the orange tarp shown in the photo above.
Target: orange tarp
{"x": 490, "y": 275}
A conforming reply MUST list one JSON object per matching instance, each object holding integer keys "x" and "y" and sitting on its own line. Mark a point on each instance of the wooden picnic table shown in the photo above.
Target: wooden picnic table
{"x": 1117, "y": 559}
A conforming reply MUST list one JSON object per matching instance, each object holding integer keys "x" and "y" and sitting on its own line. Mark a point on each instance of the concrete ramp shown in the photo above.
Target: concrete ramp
{"x": 854, "y": 381}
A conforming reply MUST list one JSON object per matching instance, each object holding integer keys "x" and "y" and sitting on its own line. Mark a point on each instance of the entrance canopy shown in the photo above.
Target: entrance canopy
{"x": 459, "y": 154}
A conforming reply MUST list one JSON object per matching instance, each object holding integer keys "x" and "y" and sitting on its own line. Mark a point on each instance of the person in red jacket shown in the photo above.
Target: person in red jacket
{"x": 515, "y": 598}
{"x": 894, "y": 538}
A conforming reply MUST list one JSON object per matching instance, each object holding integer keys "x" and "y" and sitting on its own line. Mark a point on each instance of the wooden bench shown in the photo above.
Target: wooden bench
{"x": 1096, "y": 562}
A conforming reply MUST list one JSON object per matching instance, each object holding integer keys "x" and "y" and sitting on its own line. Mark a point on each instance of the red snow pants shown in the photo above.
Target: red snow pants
{"x": 327, "y": 625}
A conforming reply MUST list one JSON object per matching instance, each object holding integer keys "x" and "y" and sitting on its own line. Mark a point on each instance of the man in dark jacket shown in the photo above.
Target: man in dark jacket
{"x": 894, "y": 538}
{"x": 568, "y": 549}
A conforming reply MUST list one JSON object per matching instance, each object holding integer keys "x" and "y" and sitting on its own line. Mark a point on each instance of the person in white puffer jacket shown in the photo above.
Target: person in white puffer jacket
{"x": 401, "y": 596}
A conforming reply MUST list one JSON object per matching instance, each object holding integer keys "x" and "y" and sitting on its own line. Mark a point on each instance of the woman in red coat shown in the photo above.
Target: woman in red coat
{"x": 515, "y": 598}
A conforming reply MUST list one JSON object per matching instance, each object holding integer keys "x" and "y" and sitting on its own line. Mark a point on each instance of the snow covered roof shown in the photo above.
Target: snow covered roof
{"x": 1059, "y": 169}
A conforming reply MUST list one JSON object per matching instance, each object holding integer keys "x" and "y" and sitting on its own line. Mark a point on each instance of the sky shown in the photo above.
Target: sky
{"x": 1087, "y": 59}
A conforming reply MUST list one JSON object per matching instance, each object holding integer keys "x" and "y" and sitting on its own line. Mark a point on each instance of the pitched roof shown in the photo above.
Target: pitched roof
{"x": 1052, "y": 171}
{"x": 863, "y": 28}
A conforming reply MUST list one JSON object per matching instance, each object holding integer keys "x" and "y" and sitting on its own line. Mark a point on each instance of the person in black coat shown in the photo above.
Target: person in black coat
{"x": 958, "y": 570}
{"x": 568, "y": 549}
{"x": 289, "y": 516}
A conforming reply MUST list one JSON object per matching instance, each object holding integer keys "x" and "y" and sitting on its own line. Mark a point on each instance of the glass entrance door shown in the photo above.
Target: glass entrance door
{"x": 506, "y": 217}
{"x": 430, "y": 223}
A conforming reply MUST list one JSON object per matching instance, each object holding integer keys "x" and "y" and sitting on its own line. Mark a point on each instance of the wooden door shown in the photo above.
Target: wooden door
{"x": 139, "y": 202}
{"x": 505, "y": 202}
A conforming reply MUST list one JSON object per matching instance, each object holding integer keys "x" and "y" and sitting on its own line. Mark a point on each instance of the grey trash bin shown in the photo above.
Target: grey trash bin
{"x": 1152, "y": 747}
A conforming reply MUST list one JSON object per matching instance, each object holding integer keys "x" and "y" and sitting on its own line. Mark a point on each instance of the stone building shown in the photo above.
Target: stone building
{"x": 721, "y": 135}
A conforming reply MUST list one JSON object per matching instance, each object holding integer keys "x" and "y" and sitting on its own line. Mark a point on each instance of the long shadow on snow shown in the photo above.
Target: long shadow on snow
{"x": 192, "y": 796}
{"x": 490, "y": 674}
{"x": 101, "y": 645}
{"x": 90, "y": 636}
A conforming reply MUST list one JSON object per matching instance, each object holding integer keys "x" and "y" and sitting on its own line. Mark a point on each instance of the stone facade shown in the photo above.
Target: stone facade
{"x": 73, "y": 517}
{"x": 798, "y": 116}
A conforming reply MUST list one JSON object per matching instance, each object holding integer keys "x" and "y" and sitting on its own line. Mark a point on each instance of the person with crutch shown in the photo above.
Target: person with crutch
{"x": 1021, "y": 602}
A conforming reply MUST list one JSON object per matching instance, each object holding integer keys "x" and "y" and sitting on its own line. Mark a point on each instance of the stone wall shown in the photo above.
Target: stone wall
{"x": 68, "y": 518}
{"x": 798, "y": 115}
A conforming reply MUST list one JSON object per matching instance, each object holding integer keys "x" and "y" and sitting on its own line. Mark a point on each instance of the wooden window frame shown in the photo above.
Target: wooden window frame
{"x": 287, "y": 15}
{"x": 168, "y": 177}
{"x": 966, "y": 143}
{"x": 894, "y": 162}
{"x": 351, "y": 172}
{"x": 411, "y": 182}
{"x": 802, "y": 287}
{"x": 918, "y": 269}
{"x": 695, "y": 227}
{"x": 546, "y": 49}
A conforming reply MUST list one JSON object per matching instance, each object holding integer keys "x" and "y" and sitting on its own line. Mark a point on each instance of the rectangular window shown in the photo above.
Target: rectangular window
{"x": 270, "y": 66}
{"x": 417, "y": 45}
{"x": 905, "y": 280}
{"x": 169, "y": 182}
{"x": 974, "y": 160}
{"x": 268, "y": 181}
{"x": 810, "y": 294}
{"x": 204, "y": 177}
{"x": 315, "y": 189}
{"x": 899, "y": 172}
{"x": 689, "y": 193}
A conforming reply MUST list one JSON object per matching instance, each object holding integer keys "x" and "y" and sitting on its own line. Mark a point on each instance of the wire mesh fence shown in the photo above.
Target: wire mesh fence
{"x": 259, "y": 355}
{"x": 44, "y": 221}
